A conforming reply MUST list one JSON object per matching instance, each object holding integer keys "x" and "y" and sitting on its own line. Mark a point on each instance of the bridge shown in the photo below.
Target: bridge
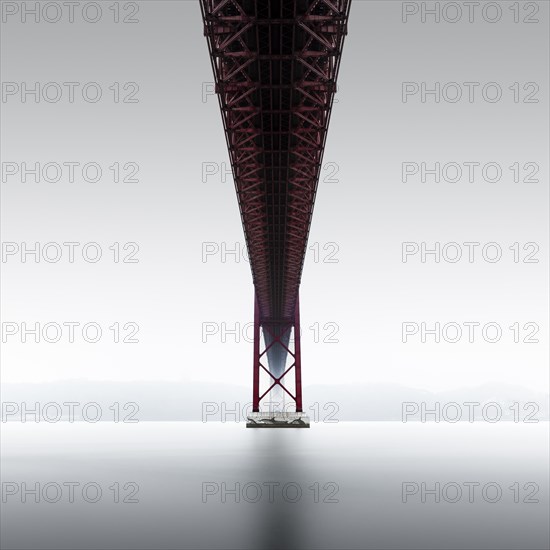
{"x": 275, "y": 65}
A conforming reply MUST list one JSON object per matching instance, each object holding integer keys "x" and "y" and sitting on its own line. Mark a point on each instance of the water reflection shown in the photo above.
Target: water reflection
{"x": 280, "y": 520}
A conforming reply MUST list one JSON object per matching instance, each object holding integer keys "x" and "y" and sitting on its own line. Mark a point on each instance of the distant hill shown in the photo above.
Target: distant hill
{"x": 196, "y": 401}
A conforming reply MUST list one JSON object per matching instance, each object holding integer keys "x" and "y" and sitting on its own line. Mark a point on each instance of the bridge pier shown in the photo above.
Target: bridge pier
{"x": 278, "y": 345}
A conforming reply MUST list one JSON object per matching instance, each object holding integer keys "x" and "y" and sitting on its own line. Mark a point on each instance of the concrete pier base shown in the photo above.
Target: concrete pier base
{"x": 277, "y": 420}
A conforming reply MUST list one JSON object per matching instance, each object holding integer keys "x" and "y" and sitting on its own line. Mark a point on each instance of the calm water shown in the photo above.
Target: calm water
{"x": 194, "y": 485}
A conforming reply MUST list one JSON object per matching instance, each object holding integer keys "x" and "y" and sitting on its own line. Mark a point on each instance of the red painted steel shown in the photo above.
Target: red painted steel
{"x": 280, "y": 337}
{"x": 298, "y": 357}
{"x": 256, "y": 359}
{"x": 276, "y": 65}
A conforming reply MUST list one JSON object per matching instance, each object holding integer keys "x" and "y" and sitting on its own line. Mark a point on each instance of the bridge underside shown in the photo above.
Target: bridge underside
{"x": 276, "y": 65}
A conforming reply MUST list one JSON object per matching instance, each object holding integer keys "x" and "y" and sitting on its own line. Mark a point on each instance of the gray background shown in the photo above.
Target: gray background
{"x": 365, "y": 211}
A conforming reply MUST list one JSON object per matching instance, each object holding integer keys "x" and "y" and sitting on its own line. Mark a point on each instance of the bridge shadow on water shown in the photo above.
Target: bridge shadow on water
{"x": 280, "y": 519}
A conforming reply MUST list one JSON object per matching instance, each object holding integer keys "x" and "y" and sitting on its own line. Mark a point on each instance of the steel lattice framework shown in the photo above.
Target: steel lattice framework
{"x": 275, "y": 66}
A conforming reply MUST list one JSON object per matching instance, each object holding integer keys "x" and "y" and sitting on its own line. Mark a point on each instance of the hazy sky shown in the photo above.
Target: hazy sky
{"x": 155, "y": 115}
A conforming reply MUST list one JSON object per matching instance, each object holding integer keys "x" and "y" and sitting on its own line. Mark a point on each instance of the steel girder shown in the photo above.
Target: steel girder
{"x": 275, "y": 66}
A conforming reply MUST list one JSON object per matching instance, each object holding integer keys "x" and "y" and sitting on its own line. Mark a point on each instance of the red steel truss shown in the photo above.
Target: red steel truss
{"x": 276, "y": 65}
{"x": 279, "y": 338}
